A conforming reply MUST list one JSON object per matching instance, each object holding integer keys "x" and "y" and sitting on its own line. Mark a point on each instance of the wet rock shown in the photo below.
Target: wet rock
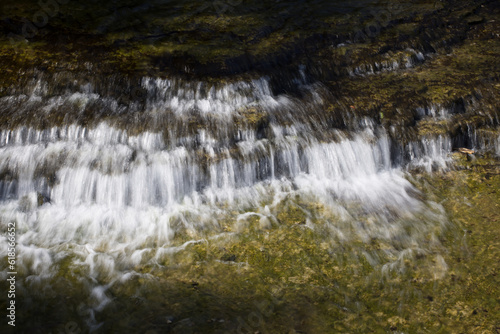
{"x": 471, "y": 157}
{"x": 474, "y": 19}
{"x": 184, "y": 326}
{"x": 228, "y": 258}
{"x": 465, "y": 150}
{"x": 42, "y": 199}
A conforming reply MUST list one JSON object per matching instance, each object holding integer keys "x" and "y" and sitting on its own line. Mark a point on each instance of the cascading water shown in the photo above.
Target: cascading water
{"x": 249, "y": 167}
{"x": 113, "y": 201}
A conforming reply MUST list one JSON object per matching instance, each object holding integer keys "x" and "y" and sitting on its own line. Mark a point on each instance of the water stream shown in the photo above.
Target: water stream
{"x": 113, "y": 198}
{"x": 113, "y": 180}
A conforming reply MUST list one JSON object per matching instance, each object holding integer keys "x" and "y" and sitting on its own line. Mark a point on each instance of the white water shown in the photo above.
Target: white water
{"x": 182, "y": 98}
{"x": 116, "y": 201}
{"x": 430, "y": 153}
{"x": 104, "y": 202}
{"x": 105, "y": 166}
{"x": 434, "y": 111}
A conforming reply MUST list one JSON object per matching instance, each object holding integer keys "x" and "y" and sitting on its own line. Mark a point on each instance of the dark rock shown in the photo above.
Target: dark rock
{"x": 228, "y": 258}
{"x": 471, "y": 157}
{"x": 42, "y": 199}
{"x": 474, "y": 19}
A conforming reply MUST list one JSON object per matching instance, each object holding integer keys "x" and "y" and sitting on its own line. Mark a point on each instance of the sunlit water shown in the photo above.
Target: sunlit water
{"x": 117, "y": 199}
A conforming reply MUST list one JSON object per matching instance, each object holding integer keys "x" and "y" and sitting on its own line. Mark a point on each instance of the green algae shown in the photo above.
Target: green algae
{"x": 444, "y": 80}
{"x": 201, "y": 32}
{"x": 294, "y": 275}
{"x": 308, "y": 286}
{"x": 285, "y": 276}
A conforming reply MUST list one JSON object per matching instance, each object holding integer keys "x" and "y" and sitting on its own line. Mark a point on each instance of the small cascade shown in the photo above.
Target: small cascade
{"x": 114, "y": 186}
{"x": 431, "y": 154}
{"x": 389, "y": 62}
{"x": 106, "y": 166}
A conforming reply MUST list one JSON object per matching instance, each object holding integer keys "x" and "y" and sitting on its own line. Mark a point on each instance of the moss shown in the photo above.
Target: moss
{"x": 132, "y": 35}
{"x": 392, "y": 97}
{"x": 293, "y": 277}
{"x": 252, "y": 116}
{"x": 430, "y": 127}
{"x": 293, "y": 272}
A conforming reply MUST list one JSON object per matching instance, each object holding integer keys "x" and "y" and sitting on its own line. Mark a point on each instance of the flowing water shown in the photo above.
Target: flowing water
{"x": 144, "y": 177}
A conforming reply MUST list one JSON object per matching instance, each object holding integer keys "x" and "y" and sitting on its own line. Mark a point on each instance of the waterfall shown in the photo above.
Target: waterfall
{"x": 138, "y": 182}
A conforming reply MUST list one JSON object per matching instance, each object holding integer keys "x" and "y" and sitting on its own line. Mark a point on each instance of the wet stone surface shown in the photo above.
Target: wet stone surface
{"x": 251, "y": 167}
